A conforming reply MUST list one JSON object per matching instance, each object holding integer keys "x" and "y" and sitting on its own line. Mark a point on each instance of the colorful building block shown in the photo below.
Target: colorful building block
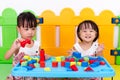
{"x": 76, "y": 54}
{"x": 23, "y": 43}
{"x": 72, "y": 63}
{"x": 54, "y": 64}
{"x": 58, "y": 59}
{"x": 88, "y": 69}
{"x": 67, "y": 64}
{"x": 42, "y": 55}
{"x": 74, "y": 68}
{"x": 42, "y": 64}
{"x": 62, "y": 63}
{"x": 47, "y": 69}
{"x": 84, "y": 64}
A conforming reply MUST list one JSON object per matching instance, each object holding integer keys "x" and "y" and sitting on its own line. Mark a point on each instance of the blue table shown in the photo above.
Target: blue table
{"x": 62, "y": 72}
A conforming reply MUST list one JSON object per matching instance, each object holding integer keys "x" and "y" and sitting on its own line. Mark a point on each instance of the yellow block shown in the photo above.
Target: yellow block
{"x": 72, "y": 63}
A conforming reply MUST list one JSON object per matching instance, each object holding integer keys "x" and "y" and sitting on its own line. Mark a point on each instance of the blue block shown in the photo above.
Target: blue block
{"x": 30, "y": 62}
{"x": 67, "y": 64}
{"x": 29, "y": 67}
{"x": 95, "y": 64}
{"x": 92, "y": 58}
{"x": 84, "y": 64}
{"x": 34, "y": 61}
{"x": 99, "y": 58}
{"x": 76, "y": 54}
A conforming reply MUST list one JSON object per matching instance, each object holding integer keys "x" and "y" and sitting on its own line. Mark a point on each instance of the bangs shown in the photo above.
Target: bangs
{"x": 88, "y": 26}
{"x": 28, "y": 24}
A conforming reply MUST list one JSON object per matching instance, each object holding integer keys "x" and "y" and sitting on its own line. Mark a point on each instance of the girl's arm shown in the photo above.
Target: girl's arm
{"x": 14, "y": 49}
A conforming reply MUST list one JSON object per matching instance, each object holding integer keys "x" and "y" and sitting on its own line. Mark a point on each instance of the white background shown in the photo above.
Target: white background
{"x": 38, "y": 6}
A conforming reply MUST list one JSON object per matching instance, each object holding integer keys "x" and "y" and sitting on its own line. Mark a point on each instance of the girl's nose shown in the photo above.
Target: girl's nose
{"x": 87, "y": 32}
{"x": 30, "y": 31}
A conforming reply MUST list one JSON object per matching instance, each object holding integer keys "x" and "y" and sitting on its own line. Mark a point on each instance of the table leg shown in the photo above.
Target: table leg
{"x": 111, "y": 78}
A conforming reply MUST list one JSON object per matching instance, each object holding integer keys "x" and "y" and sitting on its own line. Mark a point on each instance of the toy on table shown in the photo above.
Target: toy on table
{"x": 88, "y": 69}
{"x": 70, "y": 63}
{"x": 42, "y": 55}
{"x": 62, "y": 67}
{"x": 23, "y": 43}
{"x": 74, "y": 68}
{"x": 42, "y": 58}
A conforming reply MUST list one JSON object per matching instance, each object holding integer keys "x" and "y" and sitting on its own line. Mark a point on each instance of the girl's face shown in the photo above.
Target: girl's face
{"x": 87, "y": 34}
{"x": 26, "y": 32}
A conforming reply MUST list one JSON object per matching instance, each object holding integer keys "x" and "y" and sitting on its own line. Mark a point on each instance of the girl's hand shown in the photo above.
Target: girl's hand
{"x": 100, "y": 49}
{"x": 14, "y": 48}
{"x": 16, "y": 43}
{"x": 71, "y": 51}
{"x": 47, "y": 56}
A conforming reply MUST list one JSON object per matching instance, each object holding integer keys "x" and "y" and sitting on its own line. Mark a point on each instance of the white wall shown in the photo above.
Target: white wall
{"x": 39, "y": 6}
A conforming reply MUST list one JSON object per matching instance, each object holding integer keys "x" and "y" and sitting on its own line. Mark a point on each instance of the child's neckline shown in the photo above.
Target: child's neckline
{"x": 85, "y": 46}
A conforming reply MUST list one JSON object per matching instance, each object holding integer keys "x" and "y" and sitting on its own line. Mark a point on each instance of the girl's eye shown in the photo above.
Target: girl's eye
{"x": 33, "y": 28}
{"x": 26, "y": 29}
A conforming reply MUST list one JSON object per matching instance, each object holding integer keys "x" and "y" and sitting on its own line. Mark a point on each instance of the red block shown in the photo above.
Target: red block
{"x": 28, "y": 41}
{"x": 71, "y": 59}
{"x": 91, "y": 61}
{"x": 102, "y": 63}
{"x": 62, "y": 63}
{"x": 23, "y": 43}
{"x": 66, "y": 59}
{"x": 32, "y": 65}
{"x": 81, "y": 60}
{"x": 22, "y": 61}
{"x": 74, "y": 68}
{"x": 42, "y": 64}
{"x": 88, "y": 69}
{"x": 54, "y": 64}
{"x": 42, "y": 55}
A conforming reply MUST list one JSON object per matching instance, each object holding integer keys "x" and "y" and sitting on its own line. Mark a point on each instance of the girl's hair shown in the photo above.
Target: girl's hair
{"x": 27, "y": 17}
{"x": 87, "y": 24}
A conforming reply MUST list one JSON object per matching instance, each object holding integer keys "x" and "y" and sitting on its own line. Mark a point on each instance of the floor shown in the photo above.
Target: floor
{"x": 6, "y": 68}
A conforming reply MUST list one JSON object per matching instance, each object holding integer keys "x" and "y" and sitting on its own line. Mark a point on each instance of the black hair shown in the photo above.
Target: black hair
{"x": 26, "y": 17}
{"x": 86, "y": 24}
